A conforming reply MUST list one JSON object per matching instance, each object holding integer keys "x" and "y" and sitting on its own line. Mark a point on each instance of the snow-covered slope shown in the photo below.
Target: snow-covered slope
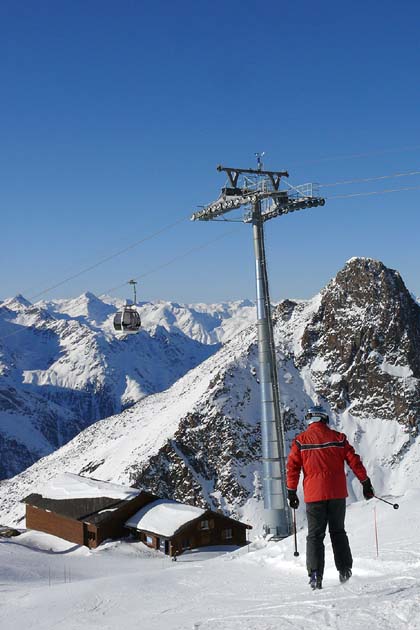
{"x": 354, "y": 348}
{"x": 47, "y": 583}
{"x": 117, "y": 447}
{"x": 62, "y": 368}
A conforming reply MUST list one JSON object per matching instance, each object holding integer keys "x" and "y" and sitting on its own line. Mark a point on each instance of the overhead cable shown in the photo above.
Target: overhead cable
{"x": 354, "y": 156}
{"x": 374, "y": 192}
{"x": 108, "y": 258}
{"x": 147, "y": 273}
{"x": 369, "y": 179}
{"x": 172, "y": 260}
{"x": 171, "y": 225}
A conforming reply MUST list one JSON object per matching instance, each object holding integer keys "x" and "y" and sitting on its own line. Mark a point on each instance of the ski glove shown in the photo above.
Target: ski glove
{"x": 293, "y": 499}
{"x": 368, "y": 491}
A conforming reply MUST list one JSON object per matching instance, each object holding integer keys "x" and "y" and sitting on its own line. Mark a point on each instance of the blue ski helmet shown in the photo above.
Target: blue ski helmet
{"x": 317, "y": 414}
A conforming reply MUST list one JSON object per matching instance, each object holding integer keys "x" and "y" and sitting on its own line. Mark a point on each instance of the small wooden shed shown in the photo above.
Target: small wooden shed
{"x": 174, "y": 527}
{"x": 83, "y": 510}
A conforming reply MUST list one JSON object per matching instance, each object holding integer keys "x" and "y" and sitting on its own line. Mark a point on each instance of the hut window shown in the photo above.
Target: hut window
{"x": 227, "y": 533}
{"x": 185, "y": 543}
{"x": 204, "y": 524}
{"x": 149, "y": 540}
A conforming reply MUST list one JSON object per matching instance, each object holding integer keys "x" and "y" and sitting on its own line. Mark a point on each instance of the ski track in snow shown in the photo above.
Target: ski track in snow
{"x": 46, "y": 583}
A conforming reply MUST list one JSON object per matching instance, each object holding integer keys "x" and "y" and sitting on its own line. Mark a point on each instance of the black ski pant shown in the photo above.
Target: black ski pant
{"x": 320, "y": 514}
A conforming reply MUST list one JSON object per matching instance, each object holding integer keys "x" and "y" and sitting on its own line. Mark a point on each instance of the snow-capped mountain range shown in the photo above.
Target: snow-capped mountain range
{"x": 62, "y": 367}
{"x": 354, "y": 348}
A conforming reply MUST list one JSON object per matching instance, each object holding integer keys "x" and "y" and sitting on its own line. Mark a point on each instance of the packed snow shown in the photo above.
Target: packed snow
{"x": 164, "y": 517}
{"x": 47, "y": 583}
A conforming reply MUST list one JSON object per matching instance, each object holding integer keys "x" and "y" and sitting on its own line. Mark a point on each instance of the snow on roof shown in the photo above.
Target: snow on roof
{"x": 164, "y": 517}
{"x": 70, "y": 486}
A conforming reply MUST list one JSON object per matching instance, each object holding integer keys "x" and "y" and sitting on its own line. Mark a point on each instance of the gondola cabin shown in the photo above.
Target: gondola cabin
{"x": 127, "y": 320}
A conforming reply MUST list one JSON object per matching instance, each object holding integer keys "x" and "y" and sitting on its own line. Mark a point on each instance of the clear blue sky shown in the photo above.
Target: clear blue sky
{"x": 114, "y": 115}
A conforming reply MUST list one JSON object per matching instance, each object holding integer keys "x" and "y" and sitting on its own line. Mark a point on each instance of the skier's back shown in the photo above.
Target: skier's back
{"x": 321, "y": 453}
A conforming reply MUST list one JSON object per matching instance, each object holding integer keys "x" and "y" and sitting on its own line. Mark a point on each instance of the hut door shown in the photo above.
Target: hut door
{"x": 205, "y": 539}
{"x": 89, "y": 537}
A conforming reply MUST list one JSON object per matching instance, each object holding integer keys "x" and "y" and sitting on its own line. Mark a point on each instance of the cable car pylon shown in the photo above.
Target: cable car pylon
{"x": 259, "y": 191}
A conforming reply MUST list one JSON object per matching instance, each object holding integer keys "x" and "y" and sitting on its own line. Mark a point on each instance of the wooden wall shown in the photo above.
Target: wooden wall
{"x": 193, "y": 536}
{"x": 43, "y": 521}
{"x": 85, "y": 533}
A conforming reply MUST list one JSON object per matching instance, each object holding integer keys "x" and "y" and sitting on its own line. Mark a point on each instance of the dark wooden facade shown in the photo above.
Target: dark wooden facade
{"x": 62, "y": 526}
{"x": 210, "y": 529}
{"x": 90, "y": 521}
{"x": 83, "y": 521}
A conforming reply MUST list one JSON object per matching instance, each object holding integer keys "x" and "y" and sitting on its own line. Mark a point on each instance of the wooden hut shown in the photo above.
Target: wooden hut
{"x": 82, "y": 510}
{"x": 173, "y": 527}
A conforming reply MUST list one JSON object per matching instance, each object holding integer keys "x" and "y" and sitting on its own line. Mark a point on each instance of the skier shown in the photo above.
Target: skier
{"x": 321, "y": 452}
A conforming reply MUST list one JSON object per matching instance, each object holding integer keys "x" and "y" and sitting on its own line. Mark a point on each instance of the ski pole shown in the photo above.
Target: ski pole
{"x": 296, "y": 553}
{"x": 394, "y": 505}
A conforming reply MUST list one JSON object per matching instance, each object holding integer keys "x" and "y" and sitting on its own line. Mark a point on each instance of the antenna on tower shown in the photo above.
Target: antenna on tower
{"x": 259, "y": 160}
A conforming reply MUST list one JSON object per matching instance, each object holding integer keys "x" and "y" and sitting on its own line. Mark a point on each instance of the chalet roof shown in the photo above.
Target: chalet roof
{"x": 166, "y": 517}
{"x": 81, "y": 498}
{"x": 71, "y": 486}
{"x": 93, "y": 510}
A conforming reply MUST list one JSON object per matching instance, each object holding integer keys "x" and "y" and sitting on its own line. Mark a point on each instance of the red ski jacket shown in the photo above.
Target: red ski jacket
{"x": 321, "y": 453}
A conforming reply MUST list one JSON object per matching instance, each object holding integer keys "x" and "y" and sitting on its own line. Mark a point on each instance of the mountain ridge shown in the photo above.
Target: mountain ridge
{"x": 79, "y": 367}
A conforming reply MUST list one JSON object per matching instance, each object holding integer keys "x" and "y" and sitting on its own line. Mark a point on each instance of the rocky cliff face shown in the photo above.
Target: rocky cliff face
{"x": 362, "y": 345}
{"x": 206, "y": 461}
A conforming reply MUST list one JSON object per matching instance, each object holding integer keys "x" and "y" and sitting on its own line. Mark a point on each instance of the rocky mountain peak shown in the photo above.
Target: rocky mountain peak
{"x": 365, "y": 279}
{"x": 365, "y": 338}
